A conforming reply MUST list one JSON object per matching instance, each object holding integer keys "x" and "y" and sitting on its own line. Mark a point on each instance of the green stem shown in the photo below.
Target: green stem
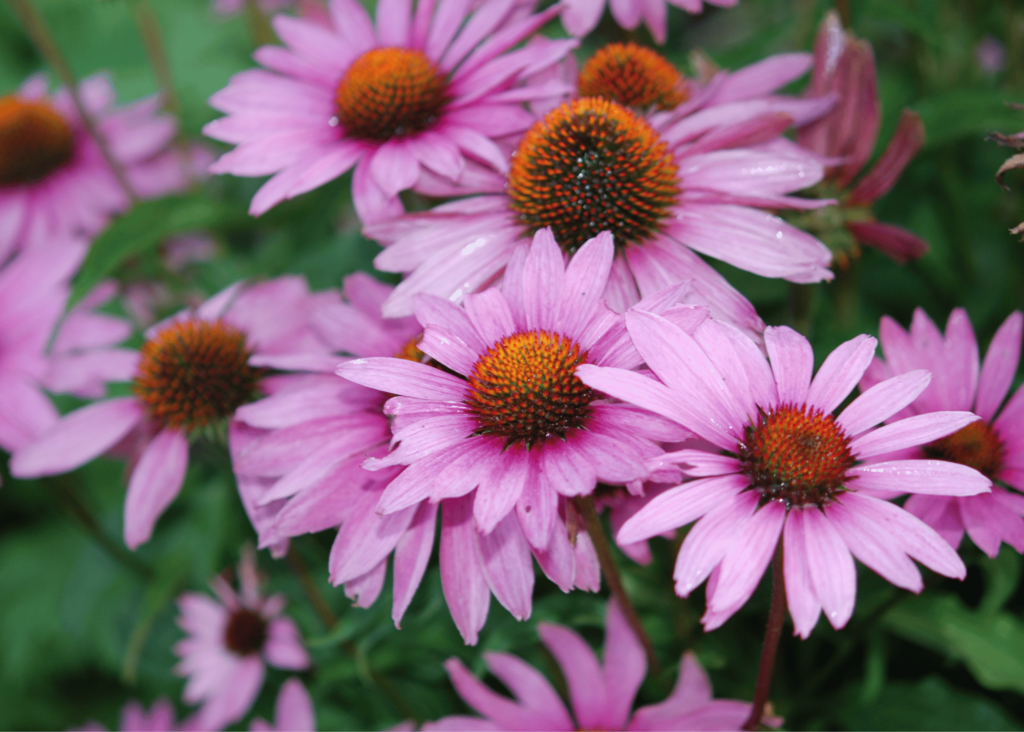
{"x": 37, "y": 29}
{"x": 261, "y": 29}
{"x": 152, "y": 40}
{"x": 595, "y": 530}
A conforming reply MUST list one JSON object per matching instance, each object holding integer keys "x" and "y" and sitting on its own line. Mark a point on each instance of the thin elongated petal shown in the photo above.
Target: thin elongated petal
{"x": 910, "y": 432}
{"x": 840, "y": 373}
{"x": 882, "y": 401}
{"x": 934, "y": 477}
{"x": 462, "y": 578}
{"x": 411, "y": 557}
{"x": 830, "y": 567}
{"x": 1000, "y": 366}
{"x": 155, "y": 482}
{"x": 792, "y": 363}
{"x": 679, "y": 506}
{"x": 625, "y": 666}
{"x": 804, "y": 606}
{"x": 587, "y": 690}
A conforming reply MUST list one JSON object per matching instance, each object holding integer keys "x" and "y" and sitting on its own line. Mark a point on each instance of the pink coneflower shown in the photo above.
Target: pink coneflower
{"x": 593, "y": 165}
{"x": 787, "y": 462}
{"x": 581, "y": 16}
{"x": 512, "y": 422}
{"x": 135, "y": 718}
{"x": 293, "y": 711}
{"x": 994, "y": 445}
{"x": 413, "y": 92}
{"x": 229, "y": 643}
{"x": 289, "y": 492}
{"x": 54, "y": 182}
{"x": 79, "y": 358}
{"x": 601, "y": 695}
{"x": 845, "y": 66}
{"x": 191, "y": 374}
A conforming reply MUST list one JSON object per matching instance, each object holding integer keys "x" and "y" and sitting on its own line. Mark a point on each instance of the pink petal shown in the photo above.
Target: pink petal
{"x": 625, "y": 667}
{"x": 462, "y": 578}
{"x": 804, "y": 606}
{"x": 78, "y": 438}
{"x": 933, "y": 477}
{"x": 1000, "y": 366}
{"x": 840, "y": 373}
{"x": 910, "y": 432}
{"x": 905, "y": 142}
{"x": 583, "y": 674}
{"x": 496, "y": 707}
{"x": 709, "y": 540}
{"x": 895, "y": 241}
{"x": 531, "y": 689}
{"x": 792, "y": 363}
{"x": 679, "y": 506}
{"x": 394, "y": 168}
{"x": 882, "y": 401}
{"x": 235, "y": 696}
{"x": 830, "y": 567}
{"x": 393, "y": 20}
{"x": 411, "y": 557}
{"x": 155, "y": 482}
{"x": 366, "y": 538}
{"x": 398, "y": 376}
{"x": 294, "y": 708}
{"x": 508, "y": 566}
{"x": 284, "y": 647}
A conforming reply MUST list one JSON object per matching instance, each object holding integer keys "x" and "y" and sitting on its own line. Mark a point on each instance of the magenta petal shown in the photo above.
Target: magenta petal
{"x": 294, "y": 708}
{"x": 792, "y": 363}
{"x": 558, "y": 559}
{"x": 398, "y": 376}
{"x": 284, "y": 647}
{"x": 508, "y": 566}
{"x": 78, "y": 438}
{"x": 882, "y": 401}
{"x": 625, "y": 667}
{"x": 462, "y": 578}
{"x": 905, "y": 142}
{"x": 366, "y": 538}
{"x": 840, "y": 373}
{"x": 980, "y": 516}
{"x": 394, "y": 168}
{"x": 587, "y": 689}
{"x": 831, "y": 569}
{"x": 679, "y": 506}
{"x": 531, "y": 688}
{"x": 411, "y": 557}
{"x": 709, "y": 540}
{"x": 895, "y": 241}
{"x": 235, "y": 696}
{"x": 910, "y": 432}
{"x": 155, "y": 482}
{"x": 366, "y": 588}
{"x": 1000, "y": 366}
{"x": 934, "y": 477}
{"x": 804, "y": 607}
{"x": 745, "y": 563}
{"x": 492, "y": 705}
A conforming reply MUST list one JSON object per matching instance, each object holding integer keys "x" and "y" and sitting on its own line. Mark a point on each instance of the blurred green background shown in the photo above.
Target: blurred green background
{"x": 81, "y": 632}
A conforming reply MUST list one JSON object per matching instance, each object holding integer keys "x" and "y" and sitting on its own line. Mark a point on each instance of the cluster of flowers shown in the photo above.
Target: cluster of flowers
{"x": 557, "y": 344}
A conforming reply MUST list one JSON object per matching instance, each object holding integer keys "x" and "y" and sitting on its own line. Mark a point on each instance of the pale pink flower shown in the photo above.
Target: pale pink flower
{"x": 229, "y": 643}
{"x": 844, "y": 66}
{"x": 289, "y": 492}
{"x": 135, "y": 718}
{"x": 601, "y": 694}
{"x": 994, "y": 445}
{"x": 54, "y": 182}
{"x": 581, "y": 16}
{"x": 191, "y": 374}
{"x": 293, "y": 711}
{"x": 787, "y": 468}
{"x": 412, "y": 93}
{"x": 706, "y": 179}
{"x": 41, "y": 348}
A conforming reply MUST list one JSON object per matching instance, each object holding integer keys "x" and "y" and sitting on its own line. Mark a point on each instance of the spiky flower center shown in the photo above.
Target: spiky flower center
{"x": 589, "y": 166}
{"x": 977, "y": 446}
{"x": 390, "y": 92}
{"x": 798, "y": 455}
{"x": 246, "y": 632}
{"x": 525, "y": 388}
{"x": 410, "y": 351}
{"x": 34, "y": 141}
{"x": 633, "y": 76}
{"x": 194, "y": 373}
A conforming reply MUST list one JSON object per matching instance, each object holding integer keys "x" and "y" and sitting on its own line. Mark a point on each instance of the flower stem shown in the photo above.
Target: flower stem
{"x": 776, "y": 617}
{"x": 595, "y": 529}
{"x": 152, "y": 39}
{"x": 66, "y": 496}
{"x": 316, "y": 598}
{"x": 37, "y": 29}
{"x": 259, "y": 26}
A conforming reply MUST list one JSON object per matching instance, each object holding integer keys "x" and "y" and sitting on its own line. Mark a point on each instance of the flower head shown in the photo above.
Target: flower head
{"x": 785, "y": 467}
{"x": 228, "y": 644}
{"x": 188, "y": 379}
{"x": 601, "y": 694}
{"x": 845, "y": 66}
{"x": 994, "y": 445}
{"x": 581, "y": 16}
{"x": 54, "y": 182}
{"x": 422, "y": 90}
{"x": 288, "y": 492}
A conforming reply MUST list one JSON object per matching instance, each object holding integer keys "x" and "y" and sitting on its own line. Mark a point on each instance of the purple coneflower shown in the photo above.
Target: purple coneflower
{"x": 581, "y": 16}
{"x": 787, "y": 468}
{"x": 426, "y": 88}
{"x": 994, "y": 445}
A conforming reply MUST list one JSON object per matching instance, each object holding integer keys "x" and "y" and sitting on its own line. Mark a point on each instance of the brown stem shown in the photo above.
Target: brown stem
{"x": 152, "y": 39}
{"x": 42, "y": 38}
{"x": 595, "y": 529}
{"x": 261, "y": 29}
{"x": 776, "y": 617}
{"x": 66, "y": 496}
{"x": 316, "y": 598}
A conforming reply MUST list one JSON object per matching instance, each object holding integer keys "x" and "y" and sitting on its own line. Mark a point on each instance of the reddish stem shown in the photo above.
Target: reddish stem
{"x": 776, "y": 617}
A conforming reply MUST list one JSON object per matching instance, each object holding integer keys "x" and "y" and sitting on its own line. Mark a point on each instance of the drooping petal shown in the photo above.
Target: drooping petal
{"x": 155, "y": 482}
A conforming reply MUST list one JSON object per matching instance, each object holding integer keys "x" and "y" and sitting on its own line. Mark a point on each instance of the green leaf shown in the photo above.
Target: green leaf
{"x": 143, "y": 229}
{"x": 930, "y": 704}
{"x": 991, "y": 645}
{"x": 966, "y": 112}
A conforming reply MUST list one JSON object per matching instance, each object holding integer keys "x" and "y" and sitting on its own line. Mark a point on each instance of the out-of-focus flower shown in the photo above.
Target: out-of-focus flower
{"x": 994, "y": 445}
{"x": 511, "y": 420}
{"x": 788, "y": 469}
{"x": 601, "y": 694}
{"x": 228, "y": 644}
{"x": 287, "y": 492}
{"x": 593, "y": 165}
{"x": 581, "y": 16}
{"x": 79, "y": 358}
{"x": 845, "y": 65}
{"x": 412, "y": 94}
{"x": 135, "y": 718}
{"x": 189, "y": 377}
{"x": 990, "y": 55}
{"x": 54, "y": 182}
{"x": 1014, "y": 162}
{"x": 293, "y": 711}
